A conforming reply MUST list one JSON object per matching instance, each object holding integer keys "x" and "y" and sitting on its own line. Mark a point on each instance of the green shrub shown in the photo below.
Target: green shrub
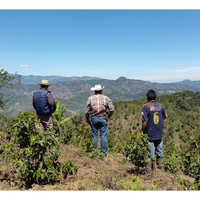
{"x": 85, "y": 140}
{"x": 136, "y": 149}
{"x": 172, "y": 159}
{"x": 96, "y": 154}
{"x": 191, "y": 160}
{"x": 134, "y": 184}
{"x": 34, "y": 154}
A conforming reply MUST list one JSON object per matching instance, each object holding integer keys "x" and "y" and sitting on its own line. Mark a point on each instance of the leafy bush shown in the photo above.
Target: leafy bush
{"x": 59, "y": 118}
{"x": 172, "y": 159}
{"x": 136, "y": 149}
{"x": 191, "y": 160}
{"x": 96, "y": 154}
{"x": 134, "y": 184}
{"x": 4, "y": 122}
{"x": 187, "y": 185}
{"x": 80, "y": 133}
{"x": 85, "y": 140}
{"x": 34, "y": 154}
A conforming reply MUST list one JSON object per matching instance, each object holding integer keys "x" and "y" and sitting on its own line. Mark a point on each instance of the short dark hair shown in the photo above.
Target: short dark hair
{"x": 151, "y": 95}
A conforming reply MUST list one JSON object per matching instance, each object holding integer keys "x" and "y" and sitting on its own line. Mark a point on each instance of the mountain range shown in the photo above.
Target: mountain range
{"x": 76, "y": 90}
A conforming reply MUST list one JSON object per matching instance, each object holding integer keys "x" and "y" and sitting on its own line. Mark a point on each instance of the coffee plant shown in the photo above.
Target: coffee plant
{"x": 191, "y": 160}
{"x": 80, "y": 133}
{"x": 96, "y": 153}
{"x": 136, "y": 149}
{"x": 172, "y": 159}
{"x": 34, "y": 154}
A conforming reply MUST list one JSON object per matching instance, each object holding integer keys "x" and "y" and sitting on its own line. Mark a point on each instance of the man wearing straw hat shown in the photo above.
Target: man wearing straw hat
{"x": 44, "y": 105}
{"x": 96, "y": 108}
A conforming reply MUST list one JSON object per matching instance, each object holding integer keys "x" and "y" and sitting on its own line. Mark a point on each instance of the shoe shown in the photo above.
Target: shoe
{"x": 153, "y": 165}
{"x": 159, "y": 163}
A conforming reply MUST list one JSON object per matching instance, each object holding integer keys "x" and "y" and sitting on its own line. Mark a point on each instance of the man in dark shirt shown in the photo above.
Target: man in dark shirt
{"x": 153, "y": 116}
{"x": 44, "y": 105}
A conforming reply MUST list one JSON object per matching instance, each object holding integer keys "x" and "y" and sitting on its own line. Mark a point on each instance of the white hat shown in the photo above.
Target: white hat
{"x": 97, "y": 88}
{"x": 44, "y": 82}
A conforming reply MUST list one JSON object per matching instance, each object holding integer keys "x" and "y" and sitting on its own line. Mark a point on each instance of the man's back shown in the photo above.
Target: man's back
{"x": 154, "y": 114}
{"x": 98, "y": 104}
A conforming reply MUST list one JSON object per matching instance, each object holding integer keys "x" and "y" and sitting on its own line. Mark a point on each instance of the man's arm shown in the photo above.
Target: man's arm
{"x": 87, "y": 117}
{"x": 144, "y": 125}
{"x": 163, "y": 124}
{"x": 87, "y": 111}
{"x": 109, "y": 114}
{"x": 110, "y": 107}
{"x": 51, "y": 101}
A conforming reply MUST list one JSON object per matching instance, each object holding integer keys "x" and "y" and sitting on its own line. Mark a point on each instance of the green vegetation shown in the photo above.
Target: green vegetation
{"x": 180, "y": 134}
{"x": 136, "y": 149}
{"x": 7, "y": 81}
{"x": 35, "y": 155}
{"x": 134, "y": 184}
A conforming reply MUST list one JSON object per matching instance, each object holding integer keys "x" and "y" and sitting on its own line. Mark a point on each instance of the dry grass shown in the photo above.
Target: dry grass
{"x": 109, "y": 173}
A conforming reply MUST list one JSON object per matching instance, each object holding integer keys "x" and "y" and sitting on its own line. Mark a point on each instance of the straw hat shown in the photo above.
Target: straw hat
{"x": 97, "y": 88}
{"x": 44, "y": 82}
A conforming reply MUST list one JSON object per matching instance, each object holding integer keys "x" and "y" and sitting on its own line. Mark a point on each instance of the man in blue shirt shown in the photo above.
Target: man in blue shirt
{"x": 153, "y": 116}
{"x": 44, "y": 105}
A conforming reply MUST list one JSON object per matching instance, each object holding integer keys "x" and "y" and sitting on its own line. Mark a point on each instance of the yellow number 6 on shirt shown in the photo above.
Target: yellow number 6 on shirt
{"x": 156, "y": 118}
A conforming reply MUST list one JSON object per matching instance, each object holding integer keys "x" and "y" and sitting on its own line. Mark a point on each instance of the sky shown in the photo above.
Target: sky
{"x": 157, "y": 45}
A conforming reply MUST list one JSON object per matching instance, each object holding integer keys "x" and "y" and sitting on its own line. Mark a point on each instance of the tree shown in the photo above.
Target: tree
{"x": 8, "y": 81}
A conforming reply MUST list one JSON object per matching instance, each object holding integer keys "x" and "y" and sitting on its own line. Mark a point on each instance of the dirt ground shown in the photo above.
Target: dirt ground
{"x": 112, "y": 173}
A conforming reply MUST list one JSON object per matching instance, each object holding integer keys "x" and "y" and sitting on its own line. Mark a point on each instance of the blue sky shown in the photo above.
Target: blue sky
{"x": 154, "y": 45}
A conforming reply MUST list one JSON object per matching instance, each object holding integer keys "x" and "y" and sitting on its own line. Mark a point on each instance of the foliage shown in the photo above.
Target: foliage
{"x": 85, "y": 140}
{"x": 58, "y": 116}
{"x": 172, "y": 159}
{"x": 154, "y": 185}
{"x": 7, "y": 81}
{"x": 96, "y": 154}
{"x": 134, "y": 184}
{"x": 4, "y": 122}
{"x": 136, "y": 149}
{"x": 191, "y": 159}
{"x": 187, "y": 185}
{"x": 34, "y": 154}
{"x": 80, "y": 133}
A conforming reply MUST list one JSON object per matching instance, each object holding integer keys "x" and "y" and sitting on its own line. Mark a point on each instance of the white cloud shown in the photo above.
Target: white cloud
{"x": 23, "y": 66}
{"x": 168, "y": 76}
{"x": 189, "y": 70}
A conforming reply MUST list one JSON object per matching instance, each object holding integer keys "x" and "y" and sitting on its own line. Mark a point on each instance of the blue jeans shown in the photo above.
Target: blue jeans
{"x": 99, "y": 123}
{"x": 155, "y": 149}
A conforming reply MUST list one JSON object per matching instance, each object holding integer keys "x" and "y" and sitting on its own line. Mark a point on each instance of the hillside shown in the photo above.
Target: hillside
{"x": 181, "y": 137}
{"x": 110, "y": 173}
{"x": 53, "y": 79}
{"x": 20, "y": 97}
{"x": 194, "y": 84}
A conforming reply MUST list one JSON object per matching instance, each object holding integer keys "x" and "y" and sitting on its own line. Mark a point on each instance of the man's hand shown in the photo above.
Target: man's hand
{"x": 144, "y": 125}
{"x": 88, "y": 122}
{"x": 109, "y": 115}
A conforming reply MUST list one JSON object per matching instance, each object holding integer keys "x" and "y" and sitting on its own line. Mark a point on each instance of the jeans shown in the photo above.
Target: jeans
{"x": 155, "y": 149}
{"x": 99, "y": 123}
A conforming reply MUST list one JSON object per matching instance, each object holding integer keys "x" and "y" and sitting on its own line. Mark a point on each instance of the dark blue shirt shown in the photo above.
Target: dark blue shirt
{"x": 153, "y": 113}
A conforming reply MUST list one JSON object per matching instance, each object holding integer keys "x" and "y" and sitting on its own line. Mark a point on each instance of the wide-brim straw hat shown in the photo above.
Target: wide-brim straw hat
{"x": 97, "y": 88}
{"x": 44, "y": 82}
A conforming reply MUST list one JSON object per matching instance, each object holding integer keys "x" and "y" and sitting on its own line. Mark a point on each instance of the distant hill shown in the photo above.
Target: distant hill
{"x": 194, "y": 84}
{"x": 53, "y": 79}
{"x": 77, "y": 91}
